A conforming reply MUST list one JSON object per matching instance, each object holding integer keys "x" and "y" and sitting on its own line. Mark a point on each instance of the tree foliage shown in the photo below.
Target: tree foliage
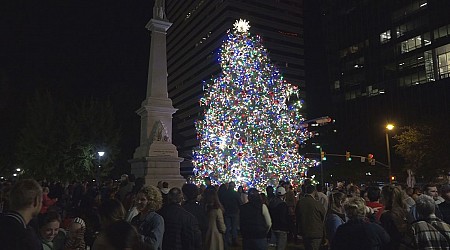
{"x": 61, "y": 140}
{"x": 424, "y": 147}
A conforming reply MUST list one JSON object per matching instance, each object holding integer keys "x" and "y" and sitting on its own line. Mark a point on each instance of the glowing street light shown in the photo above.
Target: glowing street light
{"x": 100, "y": 154}
{"x": 18, "y": 169}
{"x": 389, "y": 127}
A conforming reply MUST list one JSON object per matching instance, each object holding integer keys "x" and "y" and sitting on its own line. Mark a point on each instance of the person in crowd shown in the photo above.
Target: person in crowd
{"x": 243, "y": 195}
{"x": 119, "y": 235}
{"x": 321, "y": 196}
{"x": 149, "y": 224}
{"x": 51, "y": 235}
{"x": 431, "y": 190}
{"x": 126, "y": 185}
{"x": 216, "y": 225}
{"x": 110, "y": 211}
{"x": 353, "y": 191}
{"x": 291, "y": 200}
{"x": 207, "y": 181}
{"x": 429, "y": 232}
{"x": 130, "y": 199}
{"x": 373, "y": 195}
{"x": 416, "y": 193}
{"x": 395, "y": 219}
{"x": 335, "y": 214}
{"x": 75, "y": 236}
{"x": 190, "y": 192}
{"x": 47, "y": 201}
{"x": 25, "y": 202}
{"x": 231, "y": 202}
{"x": 270, "y": 193}
{"x": 279, "y": 215}
{"x": 444, "y": 207}
{"x": 358, "y": 232}
{"x": 164, "y": 191}
{"x": 310, "y": 216}
{"x": 182, "y": 231}
{"x": 255, "y": 222}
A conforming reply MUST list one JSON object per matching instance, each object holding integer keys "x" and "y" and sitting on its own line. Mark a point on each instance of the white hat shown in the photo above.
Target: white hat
{"x": 281, "y": 191}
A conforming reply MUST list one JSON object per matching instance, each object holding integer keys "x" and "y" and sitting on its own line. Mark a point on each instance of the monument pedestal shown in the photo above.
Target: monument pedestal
{"x": 161, "y": 164}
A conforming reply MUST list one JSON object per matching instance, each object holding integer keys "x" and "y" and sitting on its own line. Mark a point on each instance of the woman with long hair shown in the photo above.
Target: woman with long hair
{"x": 216, "y": 225}
{"x": 335, "y": 213}
{"x": 395, "y": 218}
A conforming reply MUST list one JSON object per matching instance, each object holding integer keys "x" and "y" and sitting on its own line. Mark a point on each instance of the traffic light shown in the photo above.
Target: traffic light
{"x": 348, "y": 156}
{"x": 370, "y": 159}
{"x": 322, "y": 156}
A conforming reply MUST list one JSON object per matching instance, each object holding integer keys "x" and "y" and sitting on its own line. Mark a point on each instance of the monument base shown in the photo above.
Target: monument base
{"x": 158, "y": 168}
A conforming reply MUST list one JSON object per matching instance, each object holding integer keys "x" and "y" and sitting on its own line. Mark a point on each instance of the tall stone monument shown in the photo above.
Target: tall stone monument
{"x": 156, "y": 158}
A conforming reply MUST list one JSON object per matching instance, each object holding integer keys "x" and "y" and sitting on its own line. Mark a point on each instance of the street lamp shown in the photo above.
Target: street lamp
{"x": 389, "y": 127}
{"x": 321, "y": 165}
{"x": 100, "y": 154}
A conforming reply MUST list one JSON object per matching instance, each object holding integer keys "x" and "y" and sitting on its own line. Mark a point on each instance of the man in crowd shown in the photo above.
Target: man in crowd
{"x": 231, "y": 203}
{"x": 25, "y": 203}
{"x": 181, "y": 229}
{"x": 430, "y": 190}
{"x": 310, "y": 215}
{"x": 429, "y": 231}
{"x": 280, "y": 216}
{"x": 444, "y": 207}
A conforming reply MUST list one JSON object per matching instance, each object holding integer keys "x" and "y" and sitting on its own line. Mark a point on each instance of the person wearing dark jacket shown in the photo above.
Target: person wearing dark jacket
{"x": 182, "y": 231}
{"x": 231, "y": 200}
{"x": 310, "y": 216}
{"x": 194, "y": 207}
{"x": 280, "y": 218}
{"x": 25, "y": 203}
{"x": 255, "y": 222}
{"x": 358, "y": 232}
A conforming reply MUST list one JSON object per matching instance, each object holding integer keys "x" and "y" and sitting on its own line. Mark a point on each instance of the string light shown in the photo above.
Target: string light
{"x": 251, "y": 127}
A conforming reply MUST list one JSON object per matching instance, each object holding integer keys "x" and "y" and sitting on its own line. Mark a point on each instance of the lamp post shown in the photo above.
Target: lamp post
{"x": 100, "y": 154}
{"x": 321, "y": 165}
{"x": 389, "y": 127}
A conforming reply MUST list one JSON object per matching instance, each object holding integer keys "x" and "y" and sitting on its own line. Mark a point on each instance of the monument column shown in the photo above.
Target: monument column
{"x": 156, "y": 158}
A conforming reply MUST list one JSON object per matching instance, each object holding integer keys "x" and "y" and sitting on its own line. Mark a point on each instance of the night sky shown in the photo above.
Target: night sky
{"x": 79, "y": 49}
{"x": 74, "y": 49}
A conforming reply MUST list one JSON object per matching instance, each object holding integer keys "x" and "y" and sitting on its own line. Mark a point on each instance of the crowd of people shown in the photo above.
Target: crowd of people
{"x": 132, "y": 215}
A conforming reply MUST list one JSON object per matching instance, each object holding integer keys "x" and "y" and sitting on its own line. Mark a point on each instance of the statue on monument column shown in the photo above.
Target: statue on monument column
{"x": 159, "y": 132}
{"x": 159, "y": 10}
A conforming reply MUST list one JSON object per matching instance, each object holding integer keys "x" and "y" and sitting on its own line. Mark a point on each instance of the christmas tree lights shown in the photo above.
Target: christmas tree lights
{"x": 251, "y": 127}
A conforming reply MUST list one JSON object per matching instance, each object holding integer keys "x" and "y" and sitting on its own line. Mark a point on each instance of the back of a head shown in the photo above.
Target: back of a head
{"x": 231, "y": 185}
{"x": 190, "y": 191}
{"x": 270, "y": 191}
{"x": 174, "y": 196}
{"x": 355, "y": 207}
{"x": 122, "y": 235}
{"x": 319, "y": 188}
{"x": 110, "y": 211}
{"x": 425, "y": 206}
{"x": 373, "y": 193}
{"x": 165, "y": 185}
{"x": 393, "y": 197}
{"x": 24, "y": 193}
{"x": 254, "y": 196}
{"x": 310, "y": 189}
{"x": 336, "y": 199}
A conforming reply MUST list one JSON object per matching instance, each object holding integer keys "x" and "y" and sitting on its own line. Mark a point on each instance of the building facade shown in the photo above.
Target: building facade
{"x": 193, "y": 45}
{"x": 387, "y": 61}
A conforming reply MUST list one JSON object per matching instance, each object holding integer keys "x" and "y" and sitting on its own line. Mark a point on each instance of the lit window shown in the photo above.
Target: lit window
{"x": 385, "y": 36}
{"x": 411, "y": 44}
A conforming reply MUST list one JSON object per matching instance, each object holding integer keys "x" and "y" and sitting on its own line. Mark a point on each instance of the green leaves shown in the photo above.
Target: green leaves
{"x": 60, "y": 140}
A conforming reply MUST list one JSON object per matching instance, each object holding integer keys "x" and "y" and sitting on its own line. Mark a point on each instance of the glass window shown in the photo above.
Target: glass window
{"x": 411, "y": 44}
{"x": 385, "y": 36}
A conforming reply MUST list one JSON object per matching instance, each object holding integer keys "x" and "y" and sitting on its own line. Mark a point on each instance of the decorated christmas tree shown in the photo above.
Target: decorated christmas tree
{"x": 251, "y": 129}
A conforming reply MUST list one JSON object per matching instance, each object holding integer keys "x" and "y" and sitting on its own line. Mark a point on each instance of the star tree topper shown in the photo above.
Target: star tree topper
{"x": 241, "y": 26}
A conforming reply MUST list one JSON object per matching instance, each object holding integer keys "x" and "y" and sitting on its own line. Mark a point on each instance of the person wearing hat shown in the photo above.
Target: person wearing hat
{"x": 280, "y": 218}
{"x": 444, "y": 207}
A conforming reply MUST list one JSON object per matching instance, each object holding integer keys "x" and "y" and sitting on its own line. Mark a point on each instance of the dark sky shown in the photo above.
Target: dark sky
{"x": 79, "y": 49}
{"x": 75, "y": 49}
